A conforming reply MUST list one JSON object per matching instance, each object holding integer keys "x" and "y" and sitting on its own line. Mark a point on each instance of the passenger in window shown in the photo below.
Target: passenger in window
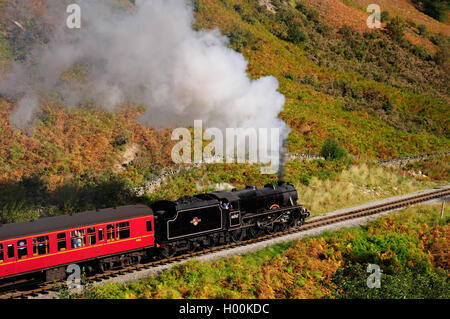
{"x": 79, "y": 238}
{"x": 74, "y": 241}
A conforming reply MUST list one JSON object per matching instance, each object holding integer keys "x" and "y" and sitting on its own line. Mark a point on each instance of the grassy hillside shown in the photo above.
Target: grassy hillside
{"x": 380, "y": 94}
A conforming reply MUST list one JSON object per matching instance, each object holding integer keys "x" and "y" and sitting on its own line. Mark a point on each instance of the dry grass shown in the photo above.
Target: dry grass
{"x": 339, "y": 14}
{"x": 354, "y": 186}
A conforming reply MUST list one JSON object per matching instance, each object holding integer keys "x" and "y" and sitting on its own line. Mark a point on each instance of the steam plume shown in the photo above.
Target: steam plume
{"x": 149, "y": 55}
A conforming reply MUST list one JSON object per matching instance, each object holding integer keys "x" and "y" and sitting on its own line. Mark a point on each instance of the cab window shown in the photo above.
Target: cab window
{"x": 22, "y": 249}
{"x": 123, "y": 230}
{"x": 40, "y": 245}
{"x": 62, "y": 243}
{"x": 1, "y": 253}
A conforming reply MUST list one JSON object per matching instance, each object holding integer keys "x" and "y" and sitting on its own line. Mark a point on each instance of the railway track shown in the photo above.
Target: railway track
{"x": 316, "y": 222}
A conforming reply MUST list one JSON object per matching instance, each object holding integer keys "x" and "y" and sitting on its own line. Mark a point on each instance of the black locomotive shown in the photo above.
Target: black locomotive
{"x": 206, "y": 220}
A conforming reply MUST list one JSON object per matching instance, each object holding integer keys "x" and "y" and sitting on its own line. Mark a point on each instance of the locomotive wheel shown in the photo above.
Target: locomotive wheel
{"x": 283, "y": 226}
{"x": 168, "y": 251}
{"x": 256, "y": 232}
{"x": 291, "y": 223}
{"x": 297, "y": 222}
{"x": 209, "y": 243}
{"x": 237, "y": 235}
{"x": 271, "y": 229}
{"x": 193, "y": 246}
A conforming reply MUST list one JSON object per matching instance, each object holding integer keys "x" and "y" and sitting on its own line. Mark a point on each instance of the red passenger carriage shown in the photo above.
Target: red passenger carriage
{"x": 105, "y": 238}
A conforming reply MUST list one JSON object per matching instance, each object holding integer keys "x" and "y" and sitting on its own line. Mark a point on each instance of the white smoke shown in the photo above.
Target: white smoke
{"x": 151, "y": 56}
{"x": 25, "y": 112}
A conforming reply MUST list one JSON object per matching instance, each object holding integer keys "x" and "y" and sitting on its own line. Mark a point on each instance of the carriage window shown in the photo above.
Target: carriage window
{"x": 110, "y": 232}
{"x": 62, "y": 244}
{"x": 100, "y": 234}
{"x": 22, "y": 249}
{"x": 40, "y": 245}
{"x": 10, "y": 248}
{"x": 123, "y": 230}
{"x": 149, "y": 225}
{"x": 77, "y": 238}
{"x": 1, "y": 253}
{"x": 91, "y": 236}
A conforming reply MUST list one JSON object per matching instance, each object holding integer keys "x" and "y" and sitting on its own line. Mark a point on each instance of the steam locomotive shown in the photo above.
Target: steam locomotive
{"x": 121, "y": 236}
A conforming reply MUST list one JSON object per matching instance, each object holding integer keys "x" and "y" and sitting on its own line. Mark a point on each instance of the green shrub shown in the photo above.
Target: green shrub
{"x": 396, "y": 28}
{"x": 422, "y": 29}
{"x": 122, "y": 139}
{"x": 301, "y": 7}
{"x": 296, "y": 35}
{"x": 237, "y": 8}
{"x": 305, "y": 179}
{"x": 195, "y": 6}
{"x": 331, "y": 149}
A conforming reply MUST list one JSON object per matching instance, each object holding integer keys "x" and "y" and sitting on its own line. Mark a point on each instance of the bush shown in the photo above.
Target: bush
{"x": 296, "y": 35}
{"x": 396, "y": 28}
{"x": 237, "y": 8}
{"x": 331, "y": 149}
{"x": 384, "y": 16}
{"x": 195, "y": 6}
{"x": 301, "y": 7}
{"x": 422, "y": 29}
{"x": 305, "y": 180}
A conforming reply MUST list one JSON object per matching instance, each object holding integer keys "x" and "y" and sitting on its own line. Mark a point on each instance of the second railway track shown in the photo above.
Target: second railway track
{"x": 312, "y": 223}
